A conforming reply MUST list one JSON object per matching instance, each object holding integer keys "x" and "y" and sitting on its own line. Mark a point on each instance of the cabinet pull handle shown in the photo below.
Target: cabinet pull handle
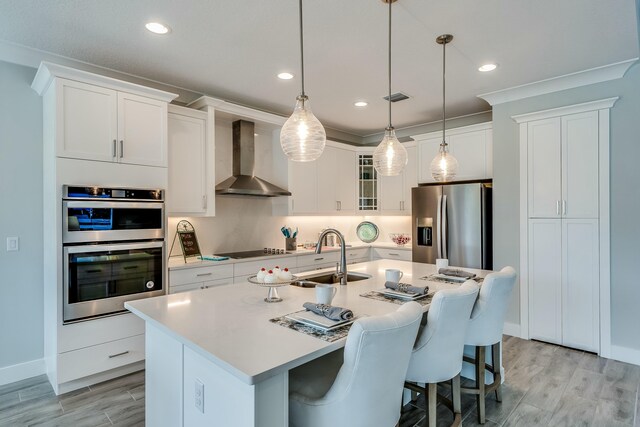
{"x": 564, "y": 207}
{"x": 557, "y": 207}
{"x": 318, "y": 259}
{"x": 204, "y": 274}
{"x": 114, "y": 149}
{"x": 131, "y": 267}
{"x": 111, "y": 356}
{"x": 204, "y": 201}
{"x": 94, "y": 271}
{"x": 121, "y": 148}
{"x": 339, "y": 205}
{"x": 394, "y": 254}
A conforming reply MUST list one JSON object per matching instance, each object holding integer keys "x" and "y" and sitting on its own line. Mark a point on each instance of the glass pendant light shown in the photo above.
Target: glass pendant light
{"x": 390, "y": 157}
{"x": 302, "y": 137}
{"x": 444, "y": 166}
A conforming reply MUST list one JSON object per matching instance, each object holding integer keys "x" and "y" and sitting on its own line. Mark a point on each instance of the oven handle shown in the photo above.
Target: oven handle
{"x": 112, "y": 247}
{"x": 108, "y": 205}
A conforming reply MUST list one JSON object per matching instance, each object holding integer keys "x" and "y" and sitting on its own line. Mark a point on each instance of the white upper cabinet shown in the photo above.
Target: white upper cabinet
{"x": 580, "y": 165}
{"x": 395, "y": 191}
{"x": 324, "y": 186}
{"x": 563, "y": 166}
{"x": 100, "y": 118}
{"x": 545, "y": 166}
{"x": 471, "y": 145}
{"x": 89, "y": 123}
{"x": 190, "y": 162}
{"x": 142, "y": 130}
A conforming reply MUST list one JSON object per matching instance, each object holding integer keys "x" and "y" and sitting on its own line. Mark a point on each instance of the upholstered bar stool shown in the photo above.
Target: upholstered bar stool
{"x": 485, "y": 329}
{"x": 437, "y": 354}
{"x": 364, "y": 387}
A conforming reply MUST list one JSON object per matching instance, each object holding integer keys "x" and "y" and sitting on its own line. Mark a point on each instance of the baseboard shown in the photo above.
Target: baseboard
{"x": 625, "y": 354}
{"x": 511, "y": 329}
{"x": 22, "y": 371}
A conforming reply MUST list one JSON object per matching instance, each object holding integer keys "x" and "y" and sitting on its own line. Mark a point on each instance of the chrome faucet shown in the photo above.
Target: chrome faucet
{"x": 342, "y": 274}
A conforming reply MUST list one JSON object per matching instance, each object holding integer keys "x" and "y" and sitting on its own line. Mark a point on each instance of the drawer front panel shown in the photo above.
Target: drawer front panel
{"x": 309, "y": 262}
{"x": 401, "y": 254}
{"x": 358, "y": 253}
{"x": 199, "y": 274}
{"x": 98, "y": 331}
{"x": 99, "y": 358}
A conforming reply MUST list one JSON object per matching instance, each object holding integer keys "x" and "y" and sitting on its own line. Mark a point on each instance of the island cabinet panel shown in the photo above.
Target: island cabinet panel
{"x": 206, "y": 403}
{"x": 163, "y": 379}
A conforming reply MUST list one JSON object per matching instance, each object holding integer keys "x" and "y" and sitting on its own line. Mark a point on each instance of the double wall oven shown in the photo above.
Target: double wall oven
{"x": 113, "y": 249}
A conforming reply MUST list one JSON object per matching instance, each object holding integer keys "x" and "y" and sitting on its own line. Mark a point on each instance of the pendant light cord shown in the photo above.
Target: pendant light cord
{"x": 301, "y": 51}
{"x": 444, "y": 120}
{"x": 390, "y": 125}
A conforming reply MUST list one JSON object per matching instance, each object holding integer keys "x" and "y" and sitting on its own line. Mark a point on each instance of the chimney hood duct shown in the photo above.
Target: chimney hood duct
{"x": 244, "y": 182}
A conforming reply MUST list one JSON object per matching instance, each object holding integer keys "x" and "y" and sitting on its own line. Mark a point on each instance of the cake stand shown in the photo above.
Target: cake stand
{"x": 272, "y": 295}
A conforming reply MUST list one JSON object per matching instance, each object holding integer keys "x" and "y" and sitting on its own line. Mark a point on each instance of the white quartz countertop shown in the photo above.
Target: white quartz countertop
{"x": 178, "y": 263}
{"x": 229, "y": 325}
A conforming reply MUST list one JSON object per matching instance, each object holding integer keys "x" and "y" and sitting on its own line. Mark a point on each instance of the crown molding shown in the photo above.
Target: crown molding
{"x": 220, "y": 105}
{"x": 555, "y": 84}
{"x": 599, "y": 104}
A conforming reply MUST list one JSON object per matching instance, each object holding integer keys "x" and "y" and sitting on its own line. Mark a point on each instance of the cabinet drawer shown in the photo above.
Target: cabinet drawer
{"x": 252, "y": 267}
{"x": 199, "y": 274}
{"x": 401, "y": 254}
{"x": 357, "y": 253}
{"x": 98, "y": 331}
{"x": 99, "y": 358}
{"x": 185, "y": 288}
{"x": 309, "y": 262}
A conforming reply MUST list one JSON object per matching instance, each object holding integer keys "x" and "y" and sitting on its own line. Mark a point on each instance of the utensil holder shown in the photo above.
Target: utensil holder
{"x": 290, "y": 243}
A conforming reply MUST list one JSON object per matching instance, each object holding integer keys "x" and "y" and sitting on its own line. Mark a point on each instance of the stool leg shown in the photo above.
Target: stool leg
{"x": 455, "y": 398}
{"x": 497, "y": 363}
{"x": 432, "y": 401}
{"x": 480, "y": 362}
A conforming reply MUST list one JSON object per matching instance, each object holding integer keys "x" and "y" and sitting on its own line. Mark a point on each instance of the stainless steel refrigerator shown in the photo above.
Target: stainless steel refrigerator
{"x": 453, "y": 221}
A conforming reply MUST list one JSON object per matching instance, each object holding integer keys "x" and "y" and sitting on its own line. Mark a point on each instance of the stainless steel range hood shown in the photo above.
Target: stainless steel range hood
{"x": 243, "y": 182}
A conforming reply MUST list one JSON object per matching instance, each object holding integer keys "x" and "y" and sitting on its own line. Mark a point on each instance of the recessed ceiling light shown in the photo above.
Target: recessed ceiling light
{"x": 285, "y": 76}
{"x": 361, "y": 103}
{"x": 487, "y": 67}
{"x": 157, "y": 28}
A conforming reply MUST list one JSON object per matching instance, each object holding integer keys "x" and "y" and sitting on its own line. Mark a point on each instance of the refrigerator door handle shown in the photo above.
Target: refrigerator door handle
{"x": 438, "y": 212}
{"x": 444, "y": 227}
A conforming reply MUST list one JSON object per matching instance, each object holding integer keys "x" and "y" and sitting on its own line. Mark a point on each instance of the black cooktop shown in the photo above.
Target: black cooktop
{"x": 251, "y": 254}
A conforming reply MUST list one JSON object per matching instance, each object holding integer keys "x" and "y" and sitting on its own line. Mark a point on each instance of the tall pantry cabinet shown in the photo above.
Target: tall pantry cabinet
{"x": 564, "y": 161}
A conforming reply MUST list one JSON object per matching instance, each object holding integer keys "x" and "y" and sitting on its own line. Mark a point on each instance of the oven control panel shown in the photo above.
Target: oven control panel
{"x": 101, "y": 193}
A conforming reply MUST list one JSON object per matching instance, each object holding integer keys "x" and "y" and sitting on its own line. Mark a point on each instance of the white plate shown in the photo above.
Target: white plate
{"x": 402, "y": 295}
{"x": 309, "y": 318}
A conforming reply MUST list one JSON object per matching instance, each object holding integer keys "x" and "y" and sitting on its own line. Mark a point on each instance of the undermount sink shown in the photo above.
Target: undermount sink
{"x": 329, "y": 278}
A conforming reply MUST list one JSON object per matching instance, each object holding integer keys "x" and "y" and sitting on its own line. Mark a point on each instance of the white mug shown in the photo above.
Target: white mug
{"x": 325, "y": 293}
{"x": 393, "y": 275}
{"x": 441, "y": 263}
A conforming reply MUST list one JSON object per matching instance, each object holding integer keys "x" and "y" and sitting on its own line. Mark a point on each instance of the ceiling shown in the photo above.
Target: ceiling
{"x": 234, "y": 49}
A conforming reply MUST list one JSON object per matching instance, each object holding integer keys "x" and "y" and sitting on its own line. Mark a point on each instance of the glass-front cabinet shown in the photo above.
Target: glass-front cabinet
{"x": 367, "y": 184}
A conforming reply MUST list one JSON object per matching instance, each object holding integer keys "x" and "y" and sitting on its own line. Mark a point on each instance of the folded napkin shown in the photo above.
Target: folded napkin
{"x": 456, "y": 272}
{"x": 407, "y": 288}
{"x": 329, "y": 311}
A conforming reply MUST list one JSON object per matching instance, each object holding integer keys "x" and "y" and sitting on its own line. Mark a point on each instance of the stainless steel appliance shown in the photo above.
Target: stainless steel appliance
{"x": 453, "y": 221}
{"x": 113, "y": 249}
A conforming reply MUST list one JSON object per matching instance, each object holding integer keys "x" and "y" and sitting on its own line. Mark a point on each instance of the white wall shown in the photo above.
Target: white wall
{"x": 625, "y": 194}
{"x": 21, "y": 292}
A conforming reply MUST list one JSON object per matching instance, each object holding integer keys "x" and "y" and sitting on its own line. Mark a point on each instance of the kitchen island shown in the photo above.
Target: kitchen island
{"x": 214, "y": 358}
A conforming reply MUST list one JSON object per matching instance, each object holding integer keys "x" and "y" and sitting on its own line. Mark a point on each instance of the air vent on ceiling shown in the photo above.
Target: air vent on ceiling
{"x": 398, "y": 96}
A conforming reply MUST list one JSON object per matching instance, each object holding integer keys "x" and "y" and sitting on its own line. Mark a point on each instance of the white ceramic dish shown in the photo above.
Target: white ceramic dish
{"x": 402, "y": 295}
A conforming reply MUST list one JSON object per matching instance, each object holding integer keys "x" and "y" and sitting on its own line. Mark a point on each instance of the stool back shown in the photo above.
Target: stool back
{"x": 437, "y": 354}
{"x": 487, "y": 318}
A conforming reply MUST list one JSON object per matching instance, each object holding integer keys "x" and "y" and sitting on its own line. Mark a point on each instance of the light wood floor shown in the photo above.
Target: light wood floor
{"x": 545, "y": 385}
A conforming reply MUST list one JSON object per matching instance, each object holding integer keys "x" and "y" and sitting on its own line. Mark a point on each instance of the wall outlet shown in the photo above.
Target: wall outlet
{"x": 13, "y": 244}
{"x": 199, "y": 396}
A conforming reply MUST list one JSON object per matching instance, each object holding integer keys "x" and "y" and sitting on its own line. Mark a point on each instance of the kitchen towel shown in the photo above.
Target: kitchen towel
{"x": 456, "y": 272}
{"x": 329, "y": 311}
{"x": 407, "y": 288}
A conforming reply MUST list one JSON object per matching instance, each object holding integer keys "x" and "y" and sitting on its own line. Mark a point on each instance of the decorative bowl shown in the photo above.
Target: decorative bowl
{"x": 400, "y": 239}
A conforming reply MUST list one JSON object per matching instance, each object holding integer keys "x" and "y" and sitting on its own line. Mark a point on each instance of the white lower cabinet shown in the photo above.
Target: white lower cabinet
{"x": 318, "y": 261}
{"x": 385, "y": 253}
{"x": 189, "y": 279}
{"x": 564, "y": 282}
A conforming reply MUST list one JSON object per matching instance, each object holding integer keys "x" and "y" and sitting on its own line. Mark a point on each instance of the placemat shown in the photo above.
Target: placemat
{"x": 329, "y": 336}
{"x": 433, "y": 278}
{"x": 382, "y": 297}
